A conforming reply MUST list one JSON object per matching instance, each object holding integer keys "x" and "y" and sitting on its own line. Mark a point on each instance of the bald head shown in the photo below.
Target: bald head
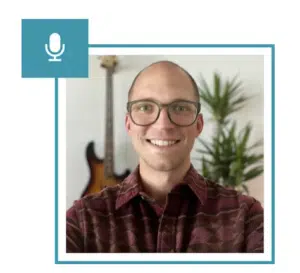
{"x": 170, "y": 70}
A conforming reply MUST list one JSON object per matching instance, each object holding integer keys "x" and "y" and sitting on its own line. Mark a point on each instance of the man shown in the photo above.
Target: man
{"x": 165, "y": 205}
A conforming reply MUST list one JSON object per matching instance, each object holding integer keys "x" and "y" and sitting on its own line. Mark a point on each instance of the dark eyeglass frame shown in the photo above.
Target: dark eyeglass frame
{"x": 162, "y": 105}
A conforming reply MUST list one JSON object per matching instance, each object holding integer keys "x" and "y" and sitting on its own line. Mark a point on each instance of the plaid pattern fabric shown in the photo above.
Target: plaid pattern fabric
{"x": 199, "y": 216}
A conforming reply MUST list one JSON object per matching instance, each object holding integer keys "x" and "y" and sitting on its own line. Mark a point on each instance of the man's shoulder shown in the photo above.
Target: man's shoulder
{"x": 230, "y": 196}
{"x": 103, "y": 200}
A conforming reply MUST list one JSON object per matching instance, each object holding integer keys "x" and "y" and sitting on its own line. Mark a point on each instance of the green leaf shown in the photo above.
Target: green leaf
{"x": 234, "y": 90}
{"x": 203, "y": 151}
{"x": 252, "y": 159}
{"x": 255, "y": 145}
{"x": 235, "y": 109}
{"x": 239, "y": 101}
{"x": 206, "y": 145}
{"x": 217, "y": 86}
{"x": 245, "y": 137}
{"x": 245, "y": 188}
{"x": 253, "y": 173}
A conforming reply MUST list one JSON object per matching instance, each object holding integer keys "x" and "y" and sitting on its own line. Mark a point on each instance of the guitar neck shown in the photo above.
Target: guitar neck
{"x": 109, "y": 132}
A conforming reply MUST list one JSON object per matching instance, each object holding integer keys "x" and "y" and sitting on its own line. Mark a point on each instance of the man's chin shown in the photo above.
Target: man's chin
{"x": 162, "y": 165}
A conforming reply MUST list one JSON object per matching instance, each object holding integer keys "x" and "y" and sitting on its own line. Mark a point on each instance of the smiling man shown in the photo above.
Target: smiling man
{"x": 165, "y": 205}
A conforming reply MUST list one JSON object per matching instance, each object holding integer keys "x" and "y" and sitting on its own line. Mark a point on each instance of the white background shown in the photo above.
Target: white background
{"x": 27, "y": 114}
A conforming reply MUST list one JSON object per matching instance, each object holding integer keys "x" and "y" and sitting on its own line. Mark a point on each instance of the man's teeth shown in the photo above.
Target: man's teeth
{"x": 162, "y": 142}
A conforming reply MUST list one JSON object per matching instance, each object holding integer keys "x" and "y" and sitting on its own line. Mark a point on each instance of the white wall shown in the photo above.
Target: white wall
{"x": 86, "y": 110}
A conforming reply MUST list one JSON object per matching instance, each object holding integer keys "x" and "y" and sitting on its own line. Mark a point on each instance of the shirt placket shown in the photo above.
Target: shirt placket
{"x": 166, "y": 237}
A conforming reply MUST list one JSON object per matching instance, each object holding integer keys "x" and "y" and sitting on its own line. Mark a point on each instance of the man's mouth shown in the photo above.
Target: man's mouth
{"x": 162, "y": 143}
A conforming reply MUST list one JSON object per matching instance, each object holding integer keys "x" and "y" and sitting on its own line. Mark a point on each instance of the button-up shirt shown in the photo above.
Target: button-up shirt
{"x": 198, "y": 216}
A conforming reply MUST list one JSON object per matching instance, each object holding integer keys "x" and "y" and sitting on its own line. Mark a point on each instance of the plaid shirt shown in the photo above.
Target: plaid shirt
{"x": 199, "y": 216}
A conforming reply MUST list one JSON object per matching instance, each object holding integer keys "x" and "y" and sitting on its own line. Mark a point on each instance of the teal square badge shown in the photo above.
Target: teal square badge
{"x": 54, "y": 48}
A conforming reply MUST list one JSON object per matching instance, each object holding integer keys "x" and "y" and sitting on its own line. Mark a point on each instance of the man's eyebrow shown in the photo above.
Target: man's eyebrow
{"x": 152, "y": 99}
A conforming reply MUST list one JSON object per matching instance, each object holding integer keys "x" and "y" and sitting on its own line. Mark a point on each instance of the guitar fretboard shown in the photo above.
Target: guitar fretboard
{"x": 109, "y": 132}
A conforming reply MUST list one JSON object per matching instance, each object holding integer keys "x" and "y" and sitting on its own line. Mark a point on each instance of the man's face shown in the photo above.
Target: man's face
{"x": 164, "y": 85}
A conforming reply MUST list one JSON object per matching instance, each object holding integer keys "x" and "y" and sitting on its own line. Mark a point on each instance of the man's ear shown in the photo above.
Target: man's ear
{"x": 127, "y": 123}
{"x": 200, "y": 124}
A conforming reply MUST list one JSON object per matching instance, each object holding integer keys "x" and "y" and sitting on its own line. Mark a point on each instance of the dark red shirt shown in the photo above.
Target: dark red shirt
{"x": 199, "y": 216}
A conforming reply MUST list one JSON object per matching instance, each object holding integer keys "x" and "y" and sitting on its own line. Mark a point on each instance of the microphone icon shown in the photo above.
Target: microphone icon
{"x": 55, "y": 48}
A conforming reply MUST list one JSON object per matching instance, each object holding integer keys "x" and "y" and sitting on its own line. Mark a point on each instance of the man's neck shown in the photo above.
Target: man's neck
{"x": 157, "y": 184}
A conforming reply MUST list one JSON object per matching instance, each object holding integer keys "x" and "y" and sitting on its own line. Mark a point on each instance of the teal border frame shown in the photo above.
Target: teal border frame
{"x": 272, "y": 47}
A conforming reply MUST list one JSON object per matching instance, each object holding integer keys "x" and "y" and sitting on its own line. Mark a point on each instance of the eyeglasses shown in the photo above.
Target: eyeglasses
{"x": 146, "y": 112}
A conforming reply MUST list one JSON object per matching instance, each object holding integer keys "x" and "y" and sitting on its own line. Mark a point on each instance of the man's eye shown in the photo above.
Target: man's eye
{"x": 144, "y": 107}
{"x": 179, "y": 108}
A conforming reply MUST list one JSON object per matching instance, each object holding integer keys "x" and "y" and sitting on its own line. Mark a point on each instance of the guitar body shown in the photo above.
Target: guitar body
{"x": 102, "y": 170}
{"x": 98, "y": 181}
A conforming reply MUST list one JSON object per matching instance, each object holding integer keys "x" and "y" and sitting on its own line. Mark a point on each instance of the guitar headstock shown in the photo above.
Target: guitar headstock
{"x": 109, "y": 61}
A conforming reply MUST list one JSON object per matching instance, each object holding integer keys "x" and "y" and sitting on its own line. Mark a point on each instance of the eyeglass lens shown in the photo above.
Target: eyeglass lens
{"x": 180, "y": 112}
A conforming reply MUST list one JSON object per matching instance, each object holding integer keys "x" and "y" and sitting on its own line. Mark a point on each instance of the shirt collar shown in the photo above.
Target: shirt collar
{"x": 197, "y": 183}
{"x": 131, "y": 186}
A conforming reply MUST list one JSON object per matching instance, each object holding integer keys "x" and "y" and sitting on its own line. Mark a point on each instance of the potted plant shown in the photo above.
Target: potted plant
{"x": 228, "y": 158}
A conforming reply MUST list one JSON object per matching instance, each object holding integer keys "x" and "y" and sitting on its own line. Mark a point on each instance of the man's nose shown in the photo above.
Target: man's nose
{"x": 163, "y": 120}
